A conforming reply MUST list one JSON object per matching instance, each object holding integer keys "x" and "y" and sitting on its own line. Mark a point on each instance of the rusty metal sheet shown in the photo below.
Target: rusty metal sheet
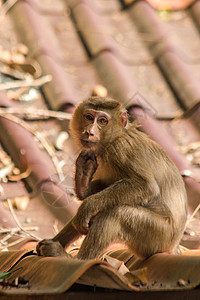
{"x": 171, "y": 272}
{"x": 10, "y": 258}
{"x": 57, "y": 275}
{"x": 164, "y": 272}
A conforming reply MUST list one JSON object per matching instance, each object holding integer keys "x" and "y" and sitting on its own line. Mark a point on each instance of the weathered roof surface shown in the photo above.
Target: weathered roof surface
{"x": 38, "y": 275}
{"x": 147, "y": 59}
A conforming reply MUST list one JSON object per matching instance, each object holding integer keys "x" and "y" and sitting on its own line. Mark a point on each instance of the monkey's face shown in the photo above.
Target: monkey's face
{"x": 94, "y": 124}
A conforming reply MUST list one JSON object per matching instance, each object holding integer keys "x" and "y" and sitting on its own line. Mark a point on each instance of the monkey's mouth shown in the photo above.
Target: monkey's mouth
{"x": 87, "y": 143}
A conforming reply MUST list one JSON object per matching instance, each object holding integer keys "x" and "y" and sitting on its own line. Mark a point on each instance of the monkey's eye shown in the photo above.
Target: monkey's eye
{"x": 103, "y": 121}
{"x": 89, "y": 117}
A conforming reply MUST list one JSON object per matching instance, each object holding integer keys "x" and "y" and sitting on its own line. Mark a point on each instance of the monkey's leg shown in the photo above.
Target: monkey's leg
{"x": 102, "y": 233}
{"x": 143, "y": 231}
{"x": 146, "y": 232}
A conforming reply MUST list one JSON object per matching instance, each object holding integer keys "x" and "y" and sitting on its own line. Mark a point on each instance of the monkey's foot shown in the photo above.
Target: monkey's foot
{"x": 50, "y": 248}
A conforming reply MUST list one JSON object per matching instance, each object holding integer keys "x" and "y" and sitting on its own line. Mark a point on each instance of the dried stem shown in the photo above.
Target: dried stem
{"x": 33, "y": 112}
{"x": 17, "y": 221}
{"x": 192, "y": 216}
{"x": 14, "y": 73}
{"x": 13, "y": 243}
{"x": 17, "y": 229}
{"x": 26, "y": 83}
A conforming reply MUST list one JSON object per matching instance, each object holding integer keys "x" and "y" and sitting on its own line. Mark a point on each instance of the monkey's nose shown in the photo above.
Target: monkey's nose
{"x": 90, "y": 132}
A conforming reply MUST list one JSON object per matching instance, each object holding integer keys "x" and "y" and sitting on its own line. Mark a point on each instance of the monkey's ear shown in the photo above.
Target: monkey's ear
{"x": 124, "y": 118}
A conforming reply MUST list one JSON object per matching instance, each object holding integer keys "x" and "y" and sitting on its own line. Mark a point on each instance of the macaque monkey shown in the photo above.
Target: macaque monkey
{"x": 130, "y": 189}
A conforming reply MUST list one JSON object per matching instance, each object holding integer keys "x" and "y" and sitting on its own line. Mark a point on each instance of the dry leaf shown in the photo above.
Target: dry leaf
{"x": 139, "y": 276}
{"x": 22, "y": 202}
{"x": 23, "y": 49}
{"x": 116, "y": 264}
{"x": 11, "y": 56}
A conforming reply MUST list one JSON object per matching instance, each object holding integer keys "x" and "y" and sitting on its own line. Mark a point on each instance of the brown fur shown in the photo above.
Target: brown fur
{"x": 131, "y": 190}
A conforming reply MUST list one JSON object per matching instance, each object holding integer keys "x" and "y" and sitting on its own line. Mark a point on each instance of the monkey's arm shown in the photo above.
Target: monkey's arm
{"x": 88, "y": 209}
{"x": 95, "y": 186}
{"x": 68, "y": 234}
{"x": 122, "y": 192}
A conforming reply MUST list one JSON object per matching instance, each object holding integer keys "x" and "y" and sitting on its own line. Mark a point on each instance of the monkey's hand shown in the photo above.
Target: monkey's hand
{"x": 50, "y": 248}
{"x": 84, "y": 218}
{"x": 86, "y": 165}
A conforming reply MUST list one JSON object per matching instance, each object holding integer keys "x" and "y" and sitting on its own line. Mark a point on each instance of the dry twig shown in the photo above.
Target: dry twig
{"x": 17, "y": 229}
{"x": 26, "y": 83}
{"x": 14, "y": 73}
{"x": 18, "y": 223}
{"x": 192, "y": 216}
{"x": 33, "y": 112}
{"x": 13, "y": 243}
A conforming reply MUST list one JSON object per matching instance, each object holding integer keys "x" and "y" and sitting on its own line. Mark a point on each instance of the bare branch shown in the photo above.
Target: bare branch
{"x": 26, "y": 83}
